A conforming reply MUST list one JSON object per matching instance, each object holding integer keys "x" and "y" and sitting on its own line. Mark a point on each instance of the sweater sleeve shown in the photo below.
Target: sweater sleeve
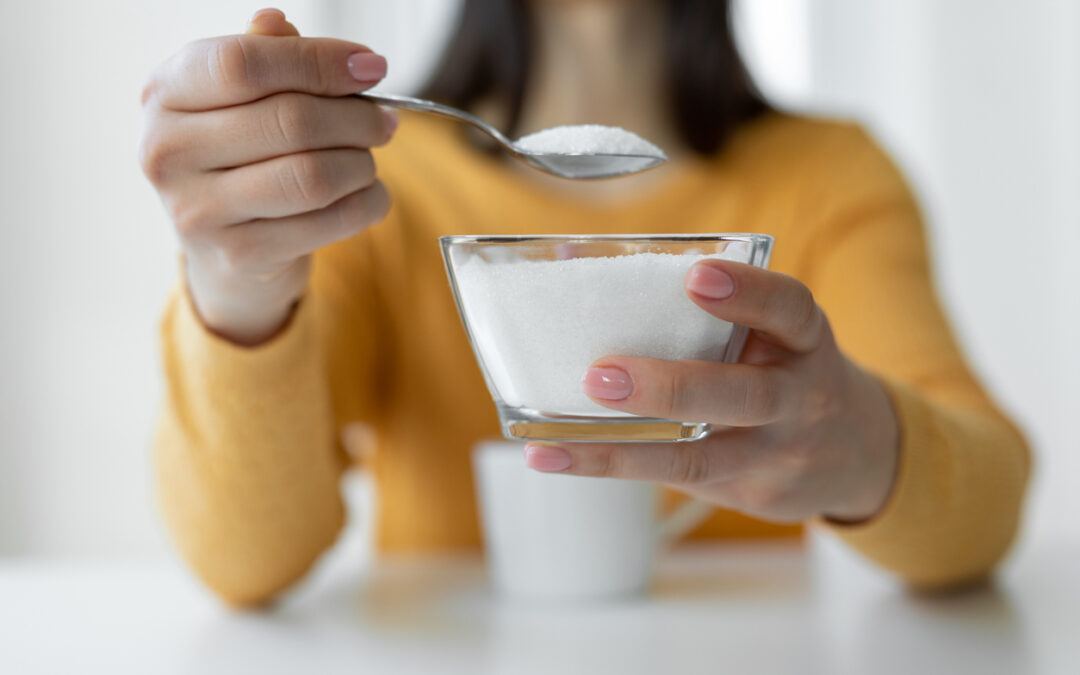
{"x": 247, "y": 454}
{"x": 956, "y": 501}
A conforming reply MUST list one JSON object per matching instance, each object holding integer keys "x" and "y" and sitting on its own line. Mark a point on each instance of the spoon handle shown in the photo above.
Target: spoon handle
{"x": 419, "y": 104}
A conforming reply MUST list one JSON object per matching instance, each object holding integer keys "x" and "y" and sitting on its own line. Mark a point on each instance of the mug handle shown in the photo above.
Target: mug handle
{"x": 683, "y": 519}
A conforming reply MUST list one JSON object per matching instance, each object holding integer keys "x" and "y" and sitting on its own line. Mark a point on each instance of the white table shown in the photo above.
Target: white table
{"x": 723, "y": 609}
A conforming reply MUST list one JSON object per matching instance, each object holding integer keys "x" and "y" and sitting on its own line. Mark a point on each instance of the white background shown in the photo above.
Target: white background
{"x": 978, "y": 100}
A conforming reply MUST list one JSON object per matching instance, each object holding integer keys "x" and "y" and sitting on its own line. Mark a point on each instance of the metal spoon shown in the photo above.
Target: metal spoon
{"x": 575, "y": 165}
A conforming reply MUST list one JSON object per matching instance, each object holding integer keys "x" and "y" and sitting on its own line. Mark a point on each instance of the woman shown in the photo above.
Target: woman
{"x": 852, "y": 407}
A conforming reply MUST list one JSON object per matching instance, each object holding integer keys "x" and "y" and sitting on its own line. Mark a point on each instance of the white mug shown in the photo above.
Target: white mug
{"x": 570, "y": 537}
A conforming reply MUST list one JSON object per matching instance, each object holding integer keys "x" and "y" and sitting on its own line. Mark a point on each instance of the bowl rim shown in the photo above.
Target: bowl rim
{"x": 453, "y": 239}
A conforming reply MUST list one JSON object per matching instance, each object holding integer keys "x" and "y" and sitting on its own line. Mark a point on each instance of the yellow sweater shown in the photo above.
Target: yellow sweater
{"x": 249, "y": 451}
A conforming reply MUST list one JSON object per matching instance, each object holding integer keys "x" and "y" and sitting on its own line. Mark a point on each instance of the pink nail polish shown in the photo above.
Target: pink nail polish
{"x": 613, "y": 384}
{"x": 268, "y": 12}
{"x": 710, "y": 282}
{"x": 367, "y": 67}
{"x": 547, "y": 458}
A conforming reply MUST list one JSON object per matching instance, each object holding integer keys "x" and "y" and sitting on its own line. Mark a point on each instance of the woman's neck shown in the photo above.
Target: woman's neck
{"x": 597, "y": 62}
{"x": 601, "y": 62}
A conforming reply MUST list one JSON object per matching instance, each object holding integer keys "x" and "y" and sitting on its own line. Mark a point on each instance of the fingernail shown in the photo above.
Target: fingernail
{"x": 546, "y": 458}
{"x": 267, "y": 12}
{"x": 390, "y": 119}
{"x": 367, "y": 67}
{"x": 710, "y": 282}
{"x": 613, "y": 384}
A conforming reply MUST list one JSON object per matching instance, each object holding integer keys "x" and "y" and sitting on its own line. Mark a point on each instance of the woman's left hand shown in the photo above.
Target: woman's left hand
{"x": 803, "y": 431}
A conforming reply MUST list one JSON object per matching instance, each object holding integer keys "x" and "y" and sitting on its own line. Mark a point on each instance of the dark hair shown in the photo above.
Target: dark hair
{"x": 711, "y": 92}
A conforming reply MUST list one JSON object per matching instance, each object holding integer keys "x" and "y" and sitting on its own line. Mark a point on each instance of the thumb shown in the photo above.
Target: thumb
{"x": 270, "y": 22}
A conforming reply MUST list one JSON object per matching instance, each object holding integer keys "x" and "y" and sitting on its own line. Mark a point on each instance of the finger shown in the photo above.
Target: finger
{"x": 262, "y": 242}
{"x": 270, "y": 21}
{"x": 728, "y": 394}
{"x": 235, "y": 69}
{"x": 280, "y": 187}
{"x": 718, "y": 457}
{"x": 779, "y": 306}
{"x": 279, "y": 125}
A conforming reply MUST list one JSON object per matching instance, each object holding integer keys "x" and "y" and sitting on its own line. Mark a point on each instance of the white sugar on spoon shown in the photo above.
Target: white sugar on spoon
{"x": 587, "y": 139}
{"x": 590, "y": 150}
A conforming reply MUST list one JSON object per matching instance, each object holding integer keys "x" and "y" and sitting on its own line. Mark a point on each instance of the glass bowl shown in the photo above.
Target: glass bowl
{"x": 540, "y": 309}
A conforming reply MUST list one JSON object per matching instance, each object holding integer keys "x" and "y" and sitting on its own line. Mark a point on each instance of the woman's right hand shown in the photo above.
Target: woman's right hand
{"x": 261, "y": 157}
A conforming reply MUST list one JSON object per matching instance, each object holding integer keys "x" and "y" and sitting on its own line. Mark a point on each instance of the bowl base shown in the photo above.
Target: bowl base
{"x": 528, "y": 425}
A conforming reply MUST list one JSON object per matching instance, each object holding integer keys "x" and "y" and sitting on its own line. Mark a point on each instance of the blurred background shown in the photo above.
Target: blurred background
{"x": 978, "y": 100}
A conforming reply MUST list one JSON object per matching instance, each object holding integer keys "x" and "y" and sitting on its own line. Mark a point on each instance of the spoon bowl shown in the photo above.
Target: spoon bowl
{"x": 565, "y": 165}
{"x": 591, "y": 166}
